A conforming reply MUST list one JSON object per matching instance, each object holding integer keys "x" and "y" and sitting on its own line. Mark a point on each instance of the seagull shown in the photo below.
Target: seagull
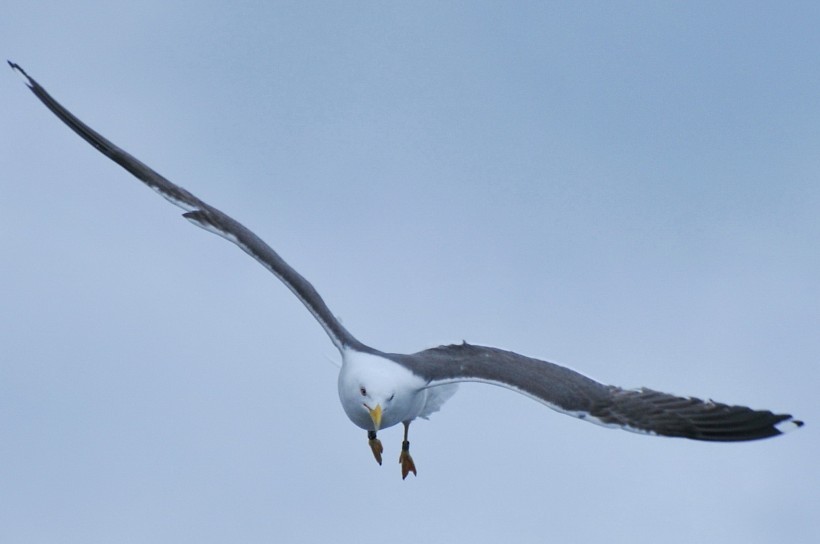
{"x": 379, "y": 389}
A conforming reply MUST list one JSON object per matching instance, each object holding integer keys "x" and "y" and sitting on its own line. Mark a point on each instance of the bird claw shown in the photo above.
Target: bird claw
{"x": 377, "y": 449}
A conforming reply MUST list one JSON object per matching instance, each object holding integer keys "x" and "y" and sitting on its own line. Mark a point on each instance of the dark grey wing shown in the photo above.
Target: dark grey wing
{"x": 205, "y": 216}
{"x": 640, "y": 410}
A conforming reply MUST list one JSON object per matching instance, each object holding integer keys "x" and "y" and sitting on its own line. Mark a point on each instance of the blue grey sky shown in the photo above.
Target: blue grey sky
{"x": 630, "y": 189}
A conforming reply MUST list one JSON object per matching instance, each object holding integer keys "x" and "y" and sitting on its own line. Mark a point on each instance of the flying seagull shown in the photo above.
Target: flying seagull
{"x": 378, "y": 389}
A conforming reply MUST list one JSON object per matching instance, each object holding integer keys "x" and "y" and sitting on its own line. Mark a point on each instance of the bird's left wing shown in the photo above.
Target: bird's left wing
{"x": 204, "y": 216}
{"x": 641, "y": 410}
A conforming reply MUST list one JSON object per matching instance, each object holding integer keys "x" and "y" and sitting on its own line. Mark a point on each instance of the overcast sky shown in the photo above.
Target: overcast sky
{"x": 629, "y": 189}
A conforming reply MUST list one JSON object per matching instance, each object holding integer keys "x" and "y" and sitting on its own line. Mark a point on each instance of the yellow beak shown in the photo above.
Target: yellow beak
{"x": 376, "y": 416}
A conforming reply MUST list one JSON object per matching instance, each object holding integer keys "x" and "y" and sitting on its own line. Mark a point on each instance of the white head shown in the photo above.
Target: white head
{"x": 377, "y": 393}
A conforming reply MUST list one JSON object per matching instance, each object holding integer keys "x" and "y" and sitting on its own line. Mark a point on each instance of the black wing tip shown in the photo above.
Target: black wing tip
{"x": 689, "y": 417}
{"x": 17, "y": 68}
{"x": 788, "y": 425}
{"x": 758, "y": 424}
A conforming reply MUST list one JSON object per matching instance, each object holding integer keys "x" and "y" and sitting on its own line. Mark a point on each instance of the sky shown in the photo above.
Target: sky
{"x": 626, "y": 188}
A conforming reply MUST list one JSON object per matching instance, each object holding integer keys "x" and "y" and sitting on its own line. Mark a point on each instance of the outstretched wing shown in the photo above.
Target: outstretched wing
{"x": 639, "y": 410}
{"x": 203, "y": 215}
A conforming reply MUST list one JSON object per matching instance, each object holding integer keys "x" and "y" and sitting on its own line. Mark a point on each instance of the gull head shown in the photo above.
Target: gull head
{"x": 377, "y": 393}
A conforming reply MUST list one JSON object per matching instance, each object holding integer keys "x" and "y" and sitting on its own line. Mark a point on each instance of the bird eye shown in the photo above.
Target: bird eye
{"x": 363, "y": 391}
{"x": 391, "y": 397}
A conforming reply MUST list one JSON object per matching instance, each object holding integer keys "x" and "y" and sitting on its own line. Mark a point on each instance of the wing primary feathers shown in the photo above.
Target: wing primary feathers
{"x": 688, "y": 417}
{"x": 177, "y": 195}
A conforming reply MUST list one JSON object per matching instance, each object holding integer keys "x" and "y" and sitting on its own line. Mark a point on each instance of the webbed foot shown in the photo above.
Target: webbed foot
{"x": 375, "y": 446}
{"x": 407, "y": 464}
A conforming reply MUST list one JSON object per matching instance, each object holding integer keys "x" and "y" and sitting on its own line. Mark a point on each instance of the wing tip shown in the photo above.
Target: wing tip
{"x": 22, "y": 73}
{"x": 788, "y": 425}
